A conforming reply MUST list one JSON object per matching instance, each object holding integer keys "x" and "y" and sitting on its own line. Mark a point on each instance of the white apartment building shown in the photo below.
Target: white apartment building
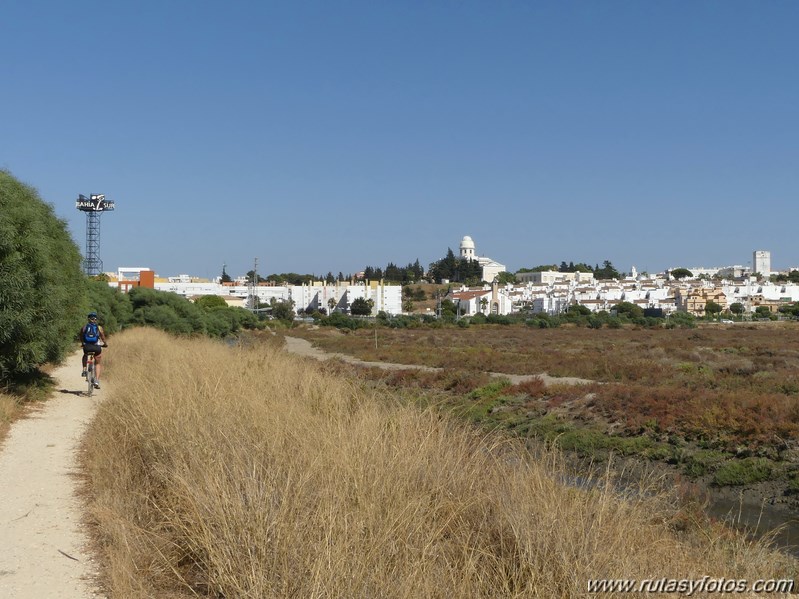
{"x": 387, "y": 298}
{"x": 552, "y": 276}
{"x": 700, "y": 271}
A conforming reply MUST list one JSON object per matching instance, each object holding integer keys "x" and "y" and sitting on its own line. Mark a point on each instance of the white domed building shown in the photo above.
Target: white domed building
{"x": 490, "y": 268}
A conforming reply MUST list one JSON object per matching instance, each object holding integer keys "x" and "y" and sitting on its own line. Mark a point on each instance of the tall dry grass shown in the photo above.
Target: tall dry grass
{"x": 9, "y": 410}
{"x": 245, "y": 472}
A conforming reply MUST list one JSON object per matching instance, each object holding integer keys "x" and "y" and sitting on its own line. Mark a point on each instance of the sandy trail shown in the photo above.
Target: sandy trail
{"x": 303, "y": 347}
{"x": 44, "y": 548}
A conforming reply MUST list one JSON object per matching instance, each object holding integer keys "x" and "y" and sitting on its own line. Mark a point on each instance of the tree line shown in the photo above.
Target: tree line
{"x": 208, "y": 315}
{"x": 411, "y": 273}
{"x": 606, "y": 271}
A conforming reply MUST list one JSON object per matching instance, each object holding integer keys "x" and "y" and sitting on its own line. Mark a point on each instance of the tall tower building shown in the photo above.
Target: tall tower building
{"x": 761, "y": 262}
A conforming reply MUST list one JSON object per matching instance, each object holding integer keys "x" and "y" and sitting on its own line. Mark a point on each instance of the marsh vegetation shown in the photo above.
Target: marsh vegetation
{"x": 693, "y": 397}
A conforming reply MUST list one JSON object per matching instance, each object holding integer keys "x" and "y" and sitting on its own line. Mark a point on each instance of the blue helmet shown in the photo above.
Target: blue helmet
{"x": 92, "y": 315}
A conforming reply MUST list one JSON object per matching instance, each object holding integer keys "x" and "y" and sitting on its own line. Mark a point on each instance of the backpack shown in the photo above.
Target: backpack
{"x": 91, "y": 333}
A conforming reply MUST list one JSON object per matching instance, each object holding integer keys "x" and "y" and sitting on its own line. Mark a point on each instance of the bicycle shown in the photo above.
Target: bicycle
{"x": 90, "y": 372}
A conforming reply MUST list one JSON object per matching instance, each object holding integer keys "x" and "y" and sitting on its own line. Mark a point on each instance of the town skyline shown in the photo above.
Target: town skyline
{"x": 746, "y": 266}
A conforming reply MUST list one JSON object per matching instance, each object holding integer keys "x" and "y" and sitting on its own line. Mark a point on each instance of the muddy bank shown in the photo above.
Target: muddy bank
{"x": 761, "y": 510}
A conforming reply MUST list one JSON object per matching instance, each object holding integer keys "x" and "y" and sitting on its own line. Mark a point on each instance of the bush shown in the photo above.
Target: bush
{"x": 491, "y": 390}
{"x": 584, "y": 441}
{"x": 629, "y": 310}
{"x": 282, "y": 310}
{"x": 744, "y": 472}
{"x": 404, "y": 321}
{"x": 703, "y": 462}
{"x": 342, "y": 321}
{"x": 42, "y": 287}
{"x": 175, "y": 314}
{"x": 594, "y": 322}
{"x": 498, "y": 319}
{"x": 682, "y": 320}
{"x": 614, "y": 322}
{"x": 210, "y": 302}
{"x": 166, "y": 311}
{"x": 793, "y": 485}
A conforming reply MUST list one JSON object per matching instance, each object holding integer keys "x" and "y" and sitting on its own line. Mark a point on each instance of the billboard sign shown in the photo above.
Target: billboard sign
{"x": 94, "y": 203}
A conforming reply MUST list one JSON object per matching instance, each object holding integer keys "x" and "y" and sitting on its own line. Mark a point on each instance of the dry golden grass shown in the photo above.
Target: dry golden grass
{"x": 245, "y": 472}
{"x": 9, "y": 411}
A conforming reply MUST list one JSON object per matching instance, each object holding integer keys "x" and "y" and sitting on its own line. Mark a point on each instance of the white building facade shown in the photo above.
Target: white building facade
{"x": 313, "y": 296}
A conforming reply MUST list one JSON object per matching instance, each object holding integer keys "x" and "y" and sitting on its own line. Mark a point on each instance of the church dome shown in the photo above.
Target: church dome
{"x": 467, "y": 243}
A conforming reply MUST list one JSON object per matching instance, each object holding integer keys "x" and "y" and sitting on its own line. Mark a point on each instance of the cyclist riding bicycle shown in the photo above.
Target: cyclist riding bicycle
{"x": 91, "y": 334}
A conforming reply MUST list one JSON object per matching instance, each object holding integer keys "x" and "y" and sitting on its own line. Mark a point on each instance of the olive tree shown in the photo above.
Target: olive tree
{"x": 42, "y": 286}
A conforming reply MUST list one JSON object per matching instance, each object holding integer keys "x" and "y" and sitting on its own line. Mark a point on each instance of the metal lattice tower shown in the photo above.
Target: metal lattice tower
{"x": 93, "y": 206}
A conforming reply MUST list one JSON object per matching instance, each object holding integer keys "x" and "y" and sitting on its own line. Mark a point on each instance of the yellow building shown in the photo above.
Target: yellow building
{"x": 695, "y": 299}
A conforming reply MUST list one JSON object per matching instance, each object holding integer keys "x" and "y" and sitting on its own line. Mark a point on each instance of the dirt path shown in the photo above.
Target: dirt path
{"x": 43, "y": 547}
{"x": 303, "y": 347}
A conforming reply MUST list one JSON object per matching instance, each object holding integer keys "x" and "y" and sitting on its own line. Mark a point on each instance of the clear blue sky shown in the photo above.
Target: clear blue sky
{"x": 326, "y": 136}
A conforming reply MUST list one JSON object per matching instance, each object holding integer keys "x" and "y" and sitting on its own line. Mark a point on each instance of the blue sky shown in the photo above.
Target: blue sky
{"x": 327, "y": 136}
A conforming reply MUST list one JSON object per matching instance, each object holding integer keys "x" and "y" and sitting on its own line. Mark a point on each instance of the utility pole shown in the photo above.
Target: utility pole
{"x": 253, "y": 299}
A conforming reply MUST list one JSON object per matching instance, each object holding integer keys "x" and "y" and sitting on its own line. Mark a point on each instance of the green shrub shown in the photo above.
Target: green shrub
{"x": 631, "y": 445}
{"x": 682, "y": 320}
{"x": 209, "y": 302}
{"x": 659, "y": 452}
{"x": 702, "y": 462}
{"x": 42, "y": 286}
{"x": 166, "y": 311}
{"x": 793, "y": 485}
{"x": 499, "y": 319}
{"x": 342, "y": 321}
{"x": 744, "y": 472}
{"x": 176, "y": 314}
{"x": 583, "y": 441}
{"x": 491, "y": 390}
{"x": 594, "y": 322}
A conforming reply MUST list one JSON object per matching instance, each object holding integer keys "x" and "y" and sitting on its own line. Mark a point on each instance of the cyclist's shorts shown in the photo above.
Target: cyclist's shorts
{"x": 92, "y": 348}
